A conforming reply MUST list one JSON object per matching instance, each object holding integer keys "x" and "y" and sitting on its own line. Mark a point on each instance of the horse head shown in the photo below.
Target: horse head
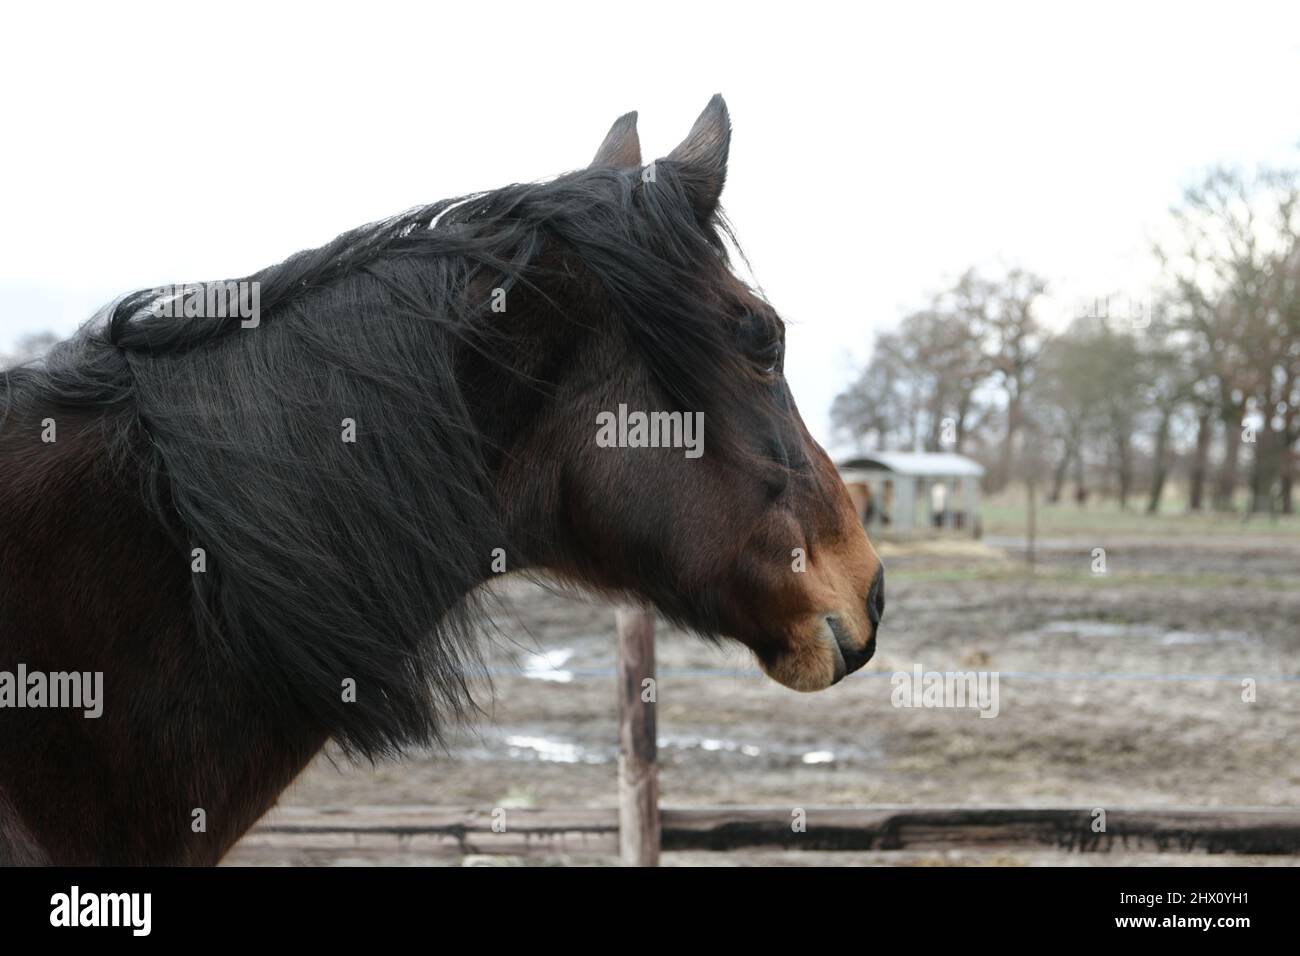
{"x": 667, "y": 459}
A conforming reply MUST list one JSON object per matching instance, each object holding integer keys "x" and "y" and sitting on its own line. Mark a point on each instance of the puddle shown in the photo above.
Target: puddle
{"x": 551, "y": 750}
{"x": 549, "y": 666}
{"x": 1110, "y": 630}
{"x": 526, "y": 746}
{"x": 1099, "y": 629}
{"x": 710, "y": 744}
{"x": 1205, "y": 637}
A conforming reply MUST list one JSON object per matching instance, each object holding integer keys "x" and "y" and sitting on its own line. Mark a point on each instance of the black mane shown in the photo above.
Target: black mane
{"x": 328, "y": 560}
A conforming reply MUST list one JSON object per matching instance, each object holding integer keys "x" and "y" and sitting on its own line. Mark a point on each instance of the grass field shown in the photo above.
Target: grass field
{"x": 1007, "y": 514}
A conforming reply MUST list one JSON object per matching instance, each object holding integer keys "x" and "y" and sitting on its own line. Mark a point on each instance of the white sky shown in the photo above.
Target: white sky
{"x": 876, "y": 152}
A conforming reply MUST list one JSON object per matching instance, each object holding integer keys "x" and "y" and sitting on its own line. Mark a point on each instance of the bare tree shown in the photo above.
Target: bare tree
{"x": 1232, "y": 267}
{"x": 1003, "y": 316}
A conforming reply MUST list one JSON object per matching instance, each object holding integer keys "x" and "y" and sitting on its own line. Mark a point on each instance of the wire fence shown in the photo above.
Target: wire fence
{"x": 753, "y": 673}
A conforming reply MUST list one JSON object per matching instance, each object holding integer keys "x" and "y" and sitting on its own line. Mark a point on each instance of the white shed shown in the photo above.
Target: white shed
{"x": 889, "y": 488}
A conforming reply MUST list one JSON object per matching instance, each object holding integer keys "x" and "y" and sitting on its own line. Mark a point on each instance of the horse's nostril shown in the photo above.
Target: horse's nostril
{"x": 876, "y": 599}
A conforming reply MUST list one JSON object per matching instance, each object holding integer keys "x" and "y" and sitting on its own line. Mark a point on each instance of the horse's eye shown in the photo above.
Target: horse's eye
{"x": 762, "y": 341}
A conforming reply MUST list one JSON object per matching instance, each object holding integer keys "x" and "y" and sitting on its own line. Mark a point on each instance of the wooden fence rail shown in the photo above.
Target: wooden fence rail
{"x": 413, "y": 832}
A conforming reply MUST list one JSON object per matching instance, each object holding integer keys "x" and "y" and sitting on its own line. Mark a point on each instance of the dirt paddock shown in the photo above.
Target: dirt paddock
{"x": 1122, "y": 688}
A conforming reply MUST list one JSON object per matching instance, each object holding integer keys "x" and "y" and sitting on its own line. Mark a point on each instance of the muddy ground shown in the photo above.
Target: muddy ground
{"x": 1122, "y": 688}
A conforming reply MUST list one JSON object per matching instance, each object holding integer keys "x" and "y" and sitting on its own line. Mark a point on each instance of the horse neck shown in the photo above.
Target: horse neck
{"x": 90, "y": 582}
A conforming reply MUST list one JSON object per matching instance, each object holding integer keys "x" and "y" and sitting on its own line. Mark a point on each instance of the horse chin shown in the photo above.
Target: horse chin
{"x": 799, "y": 673}
{"x": 824, "y": 655}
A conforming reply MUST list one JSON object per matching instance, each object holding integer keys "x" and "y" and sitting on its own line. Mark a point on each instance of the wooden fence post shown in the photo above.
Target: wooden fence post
{"x": 638, "y": 772}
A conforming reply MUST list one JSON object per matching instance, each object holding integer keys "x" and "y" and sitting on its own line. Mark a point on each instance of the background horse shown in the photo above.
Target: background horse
{"x": 267, "y": 534}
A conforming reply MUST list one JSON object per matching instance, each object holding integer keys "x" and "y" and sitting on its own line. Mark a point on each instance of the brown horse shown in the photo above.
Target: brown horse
{"x": 264, "y": 529}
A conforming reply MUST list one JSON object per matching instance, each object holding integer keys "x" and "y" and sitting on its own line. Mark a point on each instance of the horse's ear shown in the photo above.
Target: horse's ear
{"x": 703, "y": 157}
{"x": 622, "y": 146}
